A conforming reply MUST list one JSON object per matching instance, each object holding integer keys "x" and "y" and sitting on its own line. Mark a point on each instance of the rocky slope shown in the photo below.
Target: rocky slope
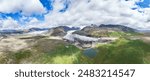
{"x": 85, "y": 37}
{"x": 103, "y": 30}
{"x": 60, "y": 31}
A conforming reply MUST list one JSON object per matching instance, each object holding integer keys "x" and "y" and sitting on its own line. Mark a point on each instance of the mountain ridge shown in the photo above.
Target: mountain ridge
{"x": 62, "y": 30}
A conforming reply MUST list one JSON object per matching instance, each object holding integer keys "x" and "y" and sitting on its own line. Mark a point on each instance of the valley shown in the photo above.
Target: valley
{"x": 104, "y": 44}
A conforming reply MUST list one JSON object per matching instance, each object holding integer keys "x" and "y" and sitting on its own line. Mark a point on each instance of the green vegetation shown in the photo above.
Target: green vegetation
{"x": 15, "y": 58}
{"x": 122, "y": 34}
{"x": 46, "y": 51}
{"x": 118, "y": 34}
{"x": 113, "y": 34}
{"x": 122, "y": 52}
{"x": 99, "y": 33}
{"x": 20, "y": 55}
{"x": 64, "y": 54}
{"x": 55, "y": 51}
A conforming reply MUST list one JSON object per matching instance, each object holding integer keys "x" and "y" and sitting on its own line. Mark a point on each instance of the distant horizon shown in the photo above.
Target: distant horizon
{"x": 81, "y": 27}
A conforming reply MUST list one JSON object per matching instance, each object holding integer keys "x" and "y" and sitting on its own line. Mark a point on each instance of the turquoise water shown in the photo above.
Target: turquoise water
{"x": 90, "y": 52}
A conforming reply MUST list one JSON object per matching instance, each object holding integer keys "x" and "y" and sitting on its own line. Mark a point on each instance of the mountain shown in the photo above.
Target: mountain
{"x": 145, "y": 32}
{"x": 92, "y": 30}
{"x": 55, "y": 31}
{"x": 37, "y": 29}
{"x": 61, "y": 30}
{"x": 8, "y": 32}
{"x": 21, "y": 31}
{"x": 117, "y": 28}
{"x": 104, "y": 30}
{"x": 94, "y": 44}
{"x": 66, "y": 28}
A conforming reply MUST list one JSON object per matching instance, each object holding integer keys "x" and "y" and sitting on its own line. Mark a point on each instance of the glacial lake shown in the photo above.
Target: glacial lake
{"x": 90, "y": 52}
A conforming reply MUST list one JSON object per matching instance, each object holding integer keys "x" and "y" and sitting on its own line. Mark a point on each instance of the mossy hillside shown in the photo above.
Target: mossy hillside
{"x": 15, "y": 57}
{"x": 61, "y": 55}
{"x": 113, "y": 34}
{"x": 121, "y": 52}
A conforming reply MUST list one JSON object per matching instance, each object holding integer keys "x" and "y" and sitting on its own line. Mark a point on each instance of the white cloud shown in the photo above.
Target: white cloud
{"x": 27, "y": 7}
{"x": 33, "y": 23}
{"x": 9, "y": 24}
{"x": 80, "y": 12}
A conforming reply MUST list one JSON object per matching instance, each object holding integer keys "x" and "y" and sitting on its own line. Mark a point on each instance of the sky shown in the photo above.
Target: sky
{"x": 19, "y": 14}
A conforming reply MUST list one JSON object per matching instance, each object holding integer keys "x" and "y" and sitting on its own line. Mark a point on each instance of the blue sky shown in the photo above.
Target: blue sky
{"x": 21, "y": 16}
{"x": 144, "y": 4}
{"x": 48, "y": 4}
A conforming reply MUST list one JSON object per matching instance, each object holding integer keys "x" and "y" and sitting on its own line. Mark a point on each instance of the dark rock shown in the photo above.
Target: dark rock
{"x": 57, "y": 32}
{"x": 61, "y": 30}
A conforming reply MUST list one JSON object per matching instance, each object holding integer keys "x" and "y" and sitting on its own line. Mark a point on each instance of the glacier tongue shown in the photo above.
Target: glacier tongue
{"x": 72, "y": 37}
